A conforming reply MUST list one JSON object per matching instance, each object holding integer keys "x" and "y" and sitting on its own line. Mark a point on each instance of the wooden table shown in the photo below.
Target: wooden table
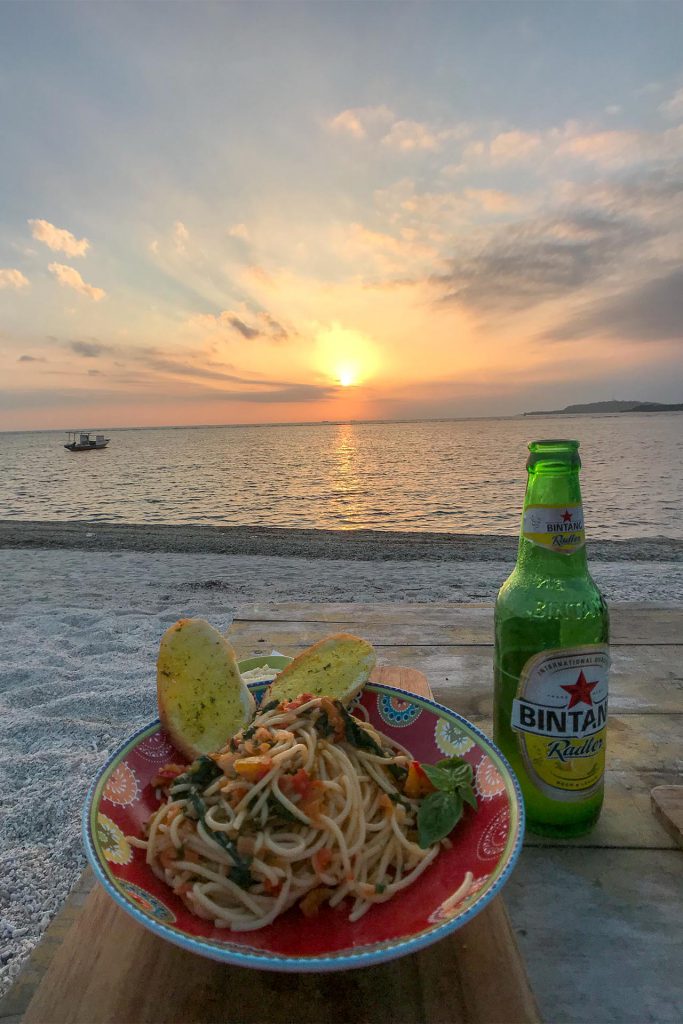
{"x": 596, "y": 947}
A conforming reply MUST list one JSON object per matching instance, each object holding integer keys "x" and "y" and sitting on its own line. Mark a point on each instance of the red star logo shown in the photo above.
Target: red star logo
{"x": 567, "y": 516}
{"x": 580, "y": 691}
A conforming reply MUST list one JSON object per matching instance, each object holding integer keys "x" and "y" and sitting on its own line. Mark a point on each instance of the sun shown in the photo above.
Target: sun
{"x": 346, "y": 355}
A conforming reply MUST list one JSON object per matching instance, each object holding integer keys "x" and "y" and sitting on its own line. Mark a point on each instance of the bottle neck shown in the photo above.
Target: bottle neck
{"x": 552, "y": 535}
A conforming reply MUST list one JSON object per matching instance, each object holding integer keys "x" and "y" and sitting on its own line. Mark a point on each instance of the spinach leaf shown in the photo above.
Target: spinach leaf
{"x": 198, "y": 805}
{"x": 396, "y": 798}
{"x": 270, "y": 706}
{"x": 322, "y": 725}
{"x": 359, "y": 737}
{"x": 279, "y": 809}
{"x": 202, "y": 772}
{"x": 356, "y": 735}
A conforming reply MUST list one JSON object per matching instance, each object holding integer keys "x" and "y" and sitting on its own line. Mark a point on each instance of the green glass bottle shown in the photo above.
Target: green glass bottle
{"x": 551, "y": 653}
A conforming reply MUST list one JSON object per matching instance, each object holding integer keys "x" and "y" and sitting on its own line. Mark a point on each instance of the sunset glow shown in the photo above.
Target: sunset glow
{"x": 403, "y": 231}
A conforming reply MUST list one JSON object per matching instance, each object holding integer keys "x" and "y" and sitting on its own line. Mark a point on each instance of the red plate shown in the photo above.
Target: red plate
{"x": 486, "y": 843}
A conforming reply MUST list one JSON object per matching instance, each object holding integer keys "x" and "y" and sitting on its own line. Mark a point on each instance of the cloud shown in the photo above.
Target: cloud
{"x": 402, "y": 134}
{"x": 653, "y": 197}
{"x": 154, "y": 247}
{"x": 181, "y": 237}
{"x": 509, "y": 147}
{"x": 240, "y": 231}
{"x": 68, "y": 277}
{"x": 22, "y": 399}
{"x": 408, "y": 136}
{"x": 357, "y": 120}
{"x": 673, "y": 107}
{"x": 12, "y": 278}
{"x": 239, "y": 325}
{"x": 617, "y": 149}
{"x": 575, "y": 141}
{"x": 31, "y": 359}
{"x": 652, "y": 312}
{"x": 533, "y": 261}
{"x": 89, "y": 349}
{"x": 165, "y": 365}
{"x": 609, "y": 148}
{"x": 260, "y": 325}
{"x": 294, "y": 393}
{"x": 58, "y": 239}
{"x": 493, "y": 200}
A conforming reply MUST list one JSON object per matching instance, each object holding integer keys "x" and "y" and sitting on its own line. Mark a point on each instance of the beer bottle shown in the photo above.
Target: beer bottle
{"x": 551, "y": 653}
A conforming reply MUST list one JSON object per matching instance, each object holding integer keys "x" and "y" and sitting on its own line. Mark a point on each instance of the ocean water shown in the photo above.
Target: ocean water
{"x": 456, "y": 476}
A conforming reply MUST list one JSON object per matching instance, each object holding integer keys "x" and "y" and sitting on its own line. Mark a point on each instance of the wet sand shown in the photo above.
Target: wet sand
{"x": 349, "y": 545}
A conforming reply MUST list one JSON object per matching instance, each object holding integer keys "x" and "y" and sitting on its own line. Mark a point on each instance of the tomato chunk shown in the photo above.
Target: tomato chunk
{"x": 417, "y": 783}
{"x": 253, "y": 769}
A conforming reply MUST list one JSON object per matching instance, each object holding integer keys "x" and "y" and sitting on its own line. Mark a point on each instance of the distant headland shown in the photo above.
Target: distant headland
{"x": 613, "y": 406}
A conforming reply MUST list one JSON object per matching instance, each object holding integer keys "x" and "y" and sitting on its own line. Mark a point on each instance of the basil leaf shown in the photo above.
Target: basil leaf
{"x": 468, "y": 795}
{"x": 440, "y": 778}
{"x": 458, "y": 767}
{"x": 439, "y": 813}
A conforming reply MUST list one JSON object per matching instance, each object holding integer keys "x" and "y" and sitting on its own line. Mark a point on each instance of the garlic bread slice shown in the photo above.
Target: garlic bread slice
{"x": 337, "y": 667}
{"x": 202, "y": 699}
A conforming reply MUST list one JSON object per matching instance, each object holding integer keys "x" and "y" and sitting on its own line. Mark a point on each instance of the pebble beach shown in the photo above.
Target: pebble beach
{"x": 83, "y": 608}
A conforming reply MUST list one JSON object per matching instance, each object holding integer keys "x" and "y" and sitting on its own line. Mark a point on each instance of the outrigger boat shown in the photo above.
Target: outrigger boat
{"x": 83, "y": 441}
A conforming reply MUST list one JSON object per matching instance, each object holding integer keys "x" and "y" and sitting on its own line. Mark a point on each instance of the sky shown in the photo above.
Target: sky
{"x": 275, "y": 212}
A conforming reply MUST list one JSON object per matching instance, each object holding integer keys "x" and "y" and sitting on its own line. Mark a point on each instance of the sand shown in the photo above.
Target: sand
{"x": 83, "y": 607}
{"x": 350, "y": 545}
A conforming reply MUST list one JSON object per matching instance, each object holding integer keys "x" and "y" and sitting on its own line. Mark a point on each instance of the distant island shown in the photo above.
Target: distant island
{"x": 614, "y": 406}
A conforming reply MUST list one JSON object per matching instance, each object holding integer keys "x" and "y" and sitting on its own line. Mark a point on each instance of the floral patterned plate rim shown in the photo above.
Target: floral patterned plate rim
{"x": 486, "y": 843}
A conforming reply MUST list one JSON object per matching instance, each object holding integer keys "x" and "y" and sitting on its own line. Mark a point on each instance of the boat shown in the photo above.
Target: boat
{"x": 84, "y": 441}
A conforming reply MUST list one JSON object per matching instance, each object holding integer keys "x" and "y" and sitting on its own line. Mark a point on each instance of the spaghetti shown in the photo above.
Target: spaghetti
{"x": 307, "y": 805}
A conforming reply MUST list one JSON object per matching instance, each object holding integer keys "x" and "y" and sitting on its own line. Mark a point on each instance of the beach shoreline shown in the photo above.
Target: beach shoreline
{"x": 346, "y": 545}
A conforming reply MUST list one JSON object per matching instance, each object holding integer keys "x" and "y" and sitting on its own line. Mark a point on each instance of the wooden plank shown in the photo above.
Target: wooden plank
{"x": 601, "y": 933}
{"x": 643, "y": 679}
{"x": 626, "y": 821}
{"x": 405, "y": 678}
{"x": 667, "y": 804}
{"x": 643, "y": 746}
{"x": 13, "y": 1004}
{"x": 631, "y": 623}
{"x": 476, "y": 976}
{"x": 109, "y": 970}
{"x": 636, "y": 744}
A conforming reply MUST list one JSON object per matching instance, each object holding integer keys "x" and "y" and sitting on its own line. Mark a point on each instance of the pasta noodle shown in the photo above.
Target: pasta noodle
{"x": 306, "y": 805}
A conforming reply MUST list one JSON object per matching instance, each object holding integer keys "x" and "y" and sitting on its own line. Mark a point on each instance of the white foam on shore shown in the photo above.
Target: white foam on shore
{"x": 80, "y": 635}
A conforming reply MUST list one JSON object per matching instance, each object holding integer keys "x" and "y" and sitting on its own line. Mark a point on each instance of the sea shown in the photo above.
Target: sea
{"x": 445, "y": 476}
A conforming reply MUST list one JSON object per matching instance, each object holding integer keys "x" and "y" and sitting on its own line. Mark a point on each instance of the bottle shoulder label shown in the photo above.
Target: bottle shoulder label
{"x": 560, "y": 717}
{"x": 557, "y": 527}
